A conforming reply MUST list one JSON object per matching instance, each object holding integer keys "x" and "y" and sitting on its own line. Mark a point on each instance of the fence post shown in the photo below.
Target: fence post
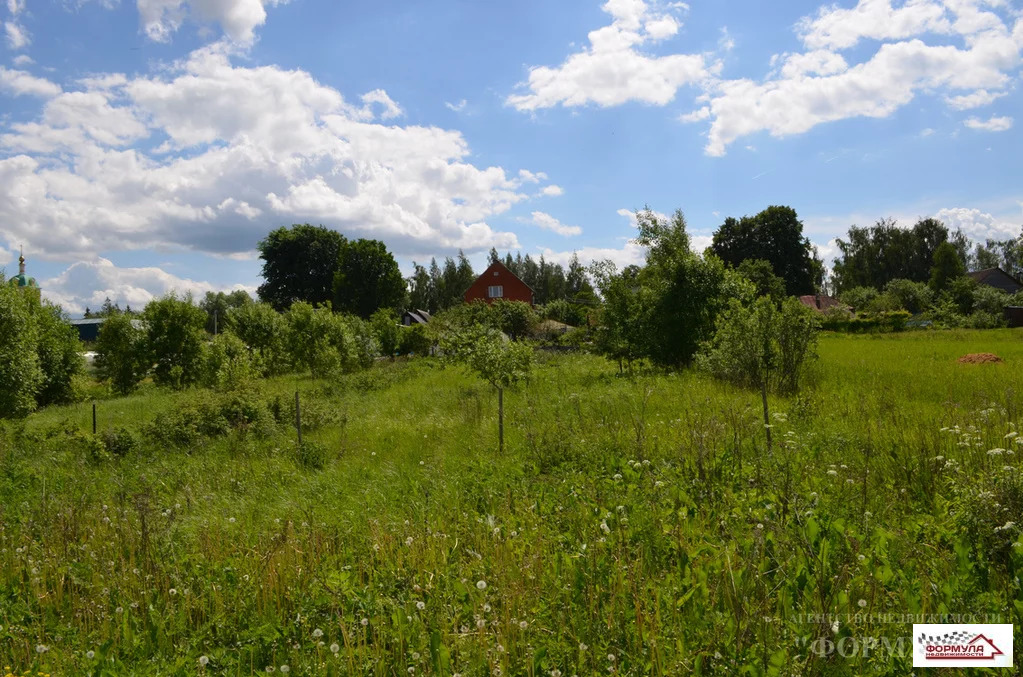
{"x": 93, "y": 418}
{"x": 298, "y": 418}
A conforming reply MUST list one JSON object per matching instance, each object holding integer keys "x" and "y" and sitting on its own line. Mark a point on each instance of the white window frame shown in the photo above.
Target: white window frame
{"x": 495, "y": 291}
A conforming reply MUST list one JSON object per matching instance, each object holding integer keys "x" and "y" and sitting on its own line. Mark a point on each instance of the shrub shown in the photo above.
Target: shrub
{"x": 175, "y": 333}
{"x": 121, "y": 353}
{"x": 226, "y": 363}
{"x": 916, "y": 297}
{"x": 858, "y": 298}
{"x": 20, "y": 372}
{"x": 264, "y": 331}
{"x": 414, "y": 340}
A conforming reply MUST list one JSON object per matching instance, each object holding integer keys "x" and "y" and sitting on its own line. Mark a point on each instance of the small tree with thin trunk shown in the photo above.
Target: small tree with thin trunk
{"x": 492, "y": 357}
{"x": 764, "y": 347}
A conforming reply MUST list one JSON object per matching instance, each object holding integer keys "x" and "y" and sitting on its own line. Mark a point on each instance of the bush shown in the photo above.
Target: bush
{"x": 264, "y": 331}
{"x": 175, "y": 333}
{"x": 20, "y": 372}
{"x": 414, "y": 340}
{"x": 916, "y": 297}
{"x": 121, "y": 441}
{"x": 226, "y": 363}
{"x": 121, "y": 353}
{"x": 858, "y": 298}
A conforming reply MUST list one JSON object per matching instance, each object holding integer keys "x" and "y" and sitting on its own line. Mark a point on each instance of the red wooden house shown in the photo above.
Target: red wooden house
{"x": 497, "y": 282}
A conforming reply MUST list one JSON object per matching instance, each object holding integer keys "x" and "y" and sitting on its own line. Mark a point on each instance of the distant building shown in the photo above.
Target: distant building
{"x": 821, "y": 303}
{"x": 497, "y": 282}
{"x": 88, "y": 329}
{"x": 997, "y": 278}
{"x": 411, "y": 317}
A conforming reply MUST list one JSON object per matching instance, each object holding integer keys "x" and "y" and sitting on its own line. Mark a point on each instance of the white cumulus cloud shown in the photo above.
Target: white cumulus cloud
{"x": 548, "y": 222}
{"x": 613, "y": 69}
{"x": 992, "y": 124}
{"x": 19, "y": 82}
{"x": 193, "y": 158}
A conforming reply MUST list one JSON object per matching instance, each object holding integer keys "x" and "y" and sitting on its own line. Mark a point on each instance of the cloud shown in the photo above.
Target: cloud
{"x": 17, "y": 35}
{"x": 552, "y": 190}
{"x": 456, "y": 107}
{"x": 239, "y": 19}
{"x": 23, "y": 60}
{"x": 193, "y": 158}
{"x": 994, "y": 124}
{"x": 18, "y": 82}
{"x": 548, "y": 222}
{"x": 978, "y": 225}
{"x": 88, "y": 283}
{"x": 869, "y": 60}
{"x": 977, "y": 99}
{"x": 612, "y": 70}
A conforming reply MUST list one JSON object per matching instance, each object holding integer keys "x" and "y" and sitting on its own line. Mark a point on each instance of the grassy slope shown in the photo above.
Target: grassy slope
{"x": 638, "y": 518}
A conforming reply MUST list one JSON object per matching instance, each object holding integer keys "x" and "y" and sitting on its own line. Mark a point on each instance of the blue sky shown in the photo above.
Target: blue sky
{"x": 148, "y": 146}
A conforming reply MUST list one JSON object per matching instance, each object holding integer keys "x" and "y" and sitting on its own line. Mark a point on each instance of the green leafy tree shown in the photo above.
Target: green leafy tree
{"x": 226, "y": 363}
{"x": 947, "y": 267}
{"x": 20, "y": 372}
{"x": 916, "y": 297}
{"x": 422, "y": 295}
{"x": 264, "y": 331}
{"x": 387, "y": 331}
{"x": 686, "y": 290}
{"x": 121, "y": 354}
{"x": 60, "y": 355}
{"x": 761, "y": 274}
{"x": 774, "y": 235}
{"x": 514, "y": 318}
{"x": 367, "y": 279}
{"x": 328, "y": 343}
{"x": 858, "y": 298}
{"x": 487, "y": 354}
{"x": 299, "y": 265}
{"x": 218, "y": 305}
{"x": 175, "y": 332}
{"x": 414, "y": 340}
{"x": 620, "y": 334}
{"x": 763, "y": 347}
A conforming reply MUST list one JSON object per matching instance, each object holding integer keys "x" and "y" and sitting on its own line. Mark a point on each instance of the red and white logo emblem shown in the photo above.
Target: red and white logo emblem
{"x": 986, "y": 645}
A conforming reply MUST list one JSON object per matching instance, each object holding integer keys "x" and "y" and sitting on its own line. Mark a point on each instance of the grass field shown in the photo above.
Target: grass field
{"x": 635, "y": 525}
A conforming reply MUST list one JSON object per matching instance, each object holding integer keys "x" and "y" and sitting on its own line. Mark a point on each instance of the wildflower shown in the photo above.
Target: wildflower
{"x": 172, "y": 592}
{"x": 231, "y": 520}
{"x": 862, "y": 603}
{"x": 270, "y": 668}
{"x": 42, "y": 648}
{"x": 203, "y": 660}
{"x": 481, "y": 585}
{"x": 119, "y": 610}
{"x": 523, "y": 625}
{"x": 90, "y": 654}
{"x": 760, "y": 525}
{"x": 583, "y": 647}
{"x": 365, "y": 622}
{"x": 334, "y": 648}
{"x": 285, "y": 669}
{"x": 486, "y": 608}
{"x": 603, "y": 527}
{"x": 408, "y": 541}
{"x": 834, "y": 627}
{"x": 415, "y": 655}
{"x": 317, "y": 633}
{"x": 555, "y": 673}
{"x": 420, "y": 605}
{"x": 480, "y": 623}
{"x": 617, "y": 476}
{"x": 611, "y": 658}
{"x": 832, "y": 472}
{"x": 996, "y": 452}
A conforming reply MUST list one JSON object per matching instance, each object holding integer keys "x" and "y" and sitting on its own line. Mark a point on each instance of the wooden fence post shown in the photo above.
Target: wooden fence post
{"x": 298, "y": 418}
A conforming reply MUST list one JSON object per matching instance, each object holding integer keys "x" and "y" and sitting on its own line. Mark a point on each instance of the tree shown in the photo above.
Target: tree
{"x": 916, "y": 297}
{"x": 686, "y": 290}
{"x": 620, "y": 334}
{"x": 761, "y": 274}
{"x": 327, "y": 343}
{"x": 486, "y": 353}
{"x": 367, "y": 279}
{"x": 947, "y": 267}
{"x": 414, "y": 340}
{"x": 422, "y": 295}
{"x": 20, "y": 372}
{"x": 775, "y": 235}
{"x": 121, "y": 355}
{"x": 299, "y": 265}
{"x": 514, "y": 318}
{"x": 175, "y": 332}
{"x": 60, "y": 356}
{"x": 217, "y": 306}
{"x": 263, "y": 330}
{"x": 763, "y": 347}
{"x": 387, "y": 331}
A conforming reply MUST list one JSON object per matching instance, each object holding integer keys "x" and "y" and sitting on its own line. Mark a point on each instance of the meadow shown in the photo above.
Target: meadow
{"x": 636, "y": 524}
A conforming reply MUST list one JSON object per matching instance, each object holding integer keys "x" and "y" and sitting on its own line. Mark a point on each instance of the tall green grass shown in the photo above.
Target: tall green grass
{"x": 635, "y": 525}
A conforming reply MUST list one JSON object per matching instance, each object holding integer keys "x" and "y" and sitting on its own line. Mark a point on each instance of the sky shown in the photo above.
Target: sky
{"x": 147, "y": 146}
